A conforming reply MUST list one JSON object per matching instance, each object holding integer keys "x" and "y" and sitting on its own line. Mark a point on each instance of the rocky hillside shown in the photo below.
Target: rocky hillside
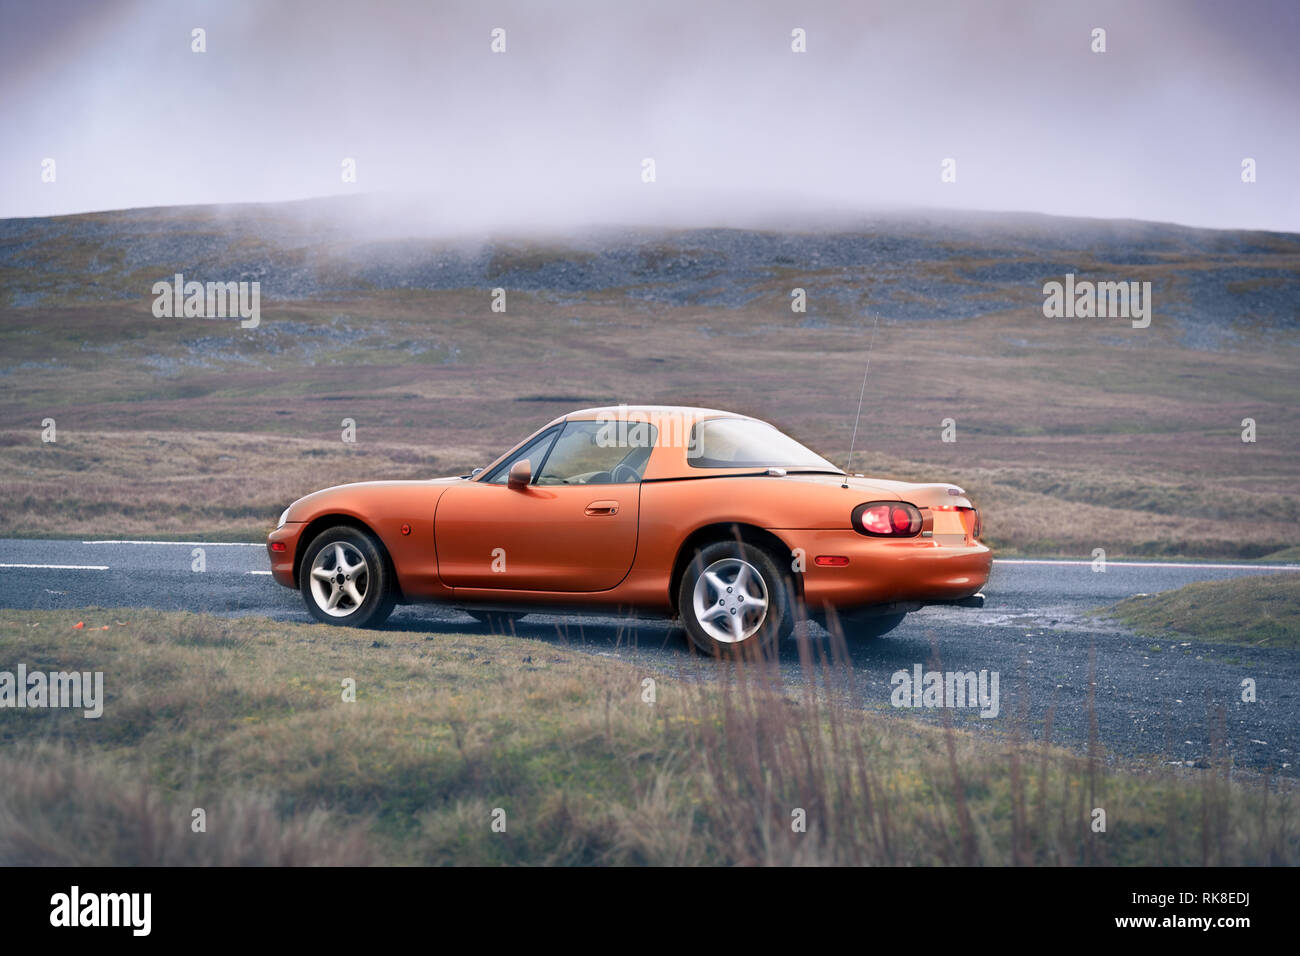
{"x": 902, "y": 266}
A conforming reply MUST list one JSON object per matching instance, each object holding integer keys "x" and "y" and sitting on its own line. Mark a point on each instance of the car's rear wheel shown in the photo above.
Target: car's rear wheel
{"x": 733, "y": 597}
{"x": 345, "y": 578}
{"x": 865, "y": 626}
{"x": 499, "y": 622}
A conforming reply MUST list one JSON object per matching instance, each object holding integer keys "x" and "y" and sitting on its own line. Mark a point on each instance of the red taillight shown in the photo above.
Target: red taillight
{"x": 278, "y": 546}
{"x": 900, "y": 520}
{"x": 875, "y": 520}
{"x": 885, "y": 519}
{"x": 831, "y": 560}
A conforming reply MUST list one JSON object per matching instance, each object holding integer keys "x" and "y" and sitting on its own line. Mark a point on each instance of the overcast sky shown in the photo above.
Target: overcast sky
{"x": 554, "y": 130}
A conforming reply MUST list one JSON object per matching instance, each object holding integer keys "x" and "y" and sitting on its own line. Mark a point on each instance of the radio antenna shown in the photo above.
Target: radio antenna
{"x": 848, "y": 468}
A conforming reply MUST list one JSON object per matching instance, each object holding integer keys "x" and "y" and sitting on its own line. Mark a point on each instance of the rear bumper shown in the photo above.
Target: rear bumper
{"x": 282, "y": 561}
{"x": 908, "y": 572}
{"x": 899, "y": 607}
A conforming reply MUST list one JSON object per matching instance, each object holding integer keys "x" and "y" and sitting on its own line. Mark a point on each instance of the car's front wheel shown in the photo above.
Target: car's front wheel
{"x": 345, "y": 578}
{"x": 733, "y": 597}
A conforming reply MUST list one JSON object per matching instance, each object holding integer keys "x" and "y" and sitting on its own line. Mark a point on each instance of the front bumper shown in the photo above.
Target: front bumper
{"x": 282, "y": 561}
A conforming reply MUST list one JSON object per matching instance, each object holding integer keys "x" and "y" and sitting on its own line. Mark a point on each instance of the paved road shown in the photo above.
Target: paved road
{"x": 1035, "y": 632}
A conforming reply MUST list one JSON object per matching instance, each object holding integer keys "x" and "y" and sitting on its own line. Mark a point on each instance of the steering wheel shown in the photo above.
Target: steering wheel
{"x": 624, "y": 474}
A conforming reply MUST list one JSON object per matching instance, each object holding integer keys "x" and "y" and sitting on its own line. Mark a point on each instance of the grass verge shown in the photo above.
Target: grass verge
{"x": 246, "y": 720}
{"x": 1262, "y": 611}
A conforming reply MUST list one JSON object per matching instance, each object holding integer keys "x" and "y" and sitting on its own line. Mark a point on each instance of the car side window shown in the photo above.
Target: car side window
{"x": 599, "y": 453}
{"x": 534, "y": 451}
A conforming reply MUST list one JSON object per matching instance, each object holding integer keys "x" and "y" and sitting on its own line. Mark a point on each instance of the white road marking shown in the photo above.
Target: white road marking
{"x": 83, "y": 567}
{"x": 1193, "y": 566}
{"x": 204, "y": 544}
{"x": 1158, "y": 564}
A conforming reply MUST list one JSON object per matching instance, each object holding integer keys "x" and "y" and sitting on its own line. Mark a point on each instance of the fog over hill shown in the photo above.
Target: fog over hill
{"x": 898, "y": 264}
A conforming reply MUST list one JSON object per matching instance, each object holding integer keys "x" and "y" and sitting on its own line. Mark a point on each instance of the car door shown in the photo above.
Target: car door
{"x": 572, "y": 528}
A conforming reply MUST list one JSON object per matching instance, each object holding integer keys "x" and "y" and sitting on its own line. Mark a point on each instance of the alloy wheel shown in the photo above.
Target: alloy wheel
{"x": 730, "y": 600}
{"x": 340, "y": 578}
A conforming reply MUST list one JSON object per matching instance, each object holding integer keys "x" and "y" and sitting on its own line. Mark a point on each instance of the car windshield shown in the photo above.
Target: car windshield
{"x": 746, "y": 443}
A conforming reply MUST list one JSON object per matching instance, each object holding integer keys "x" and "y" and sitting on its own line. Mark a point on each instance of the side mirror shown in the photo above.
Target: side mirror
{"x": 476, "y": 472}
{"x": 521, "y": 473}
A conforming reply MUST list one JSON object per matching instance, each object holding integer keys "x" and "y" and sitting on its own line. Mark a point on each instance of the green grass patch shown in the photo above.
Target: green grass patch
{"x": 1263, "y": 611}
{"x": 1285, "y": 556}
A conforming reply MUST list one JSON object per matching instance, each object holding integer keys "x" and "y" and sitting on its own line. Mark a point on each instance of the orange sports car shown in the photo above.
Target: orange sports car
{"x": 716, "y": 518}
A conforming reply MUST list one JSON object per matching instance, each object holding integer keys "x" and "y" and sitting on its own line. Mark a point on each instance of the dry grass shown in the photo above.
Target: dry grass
{"x": 186, "y": 483}
{"x": 218, "y": 484}
{"x": 1071, "y": 435}
{"x": 62, "y": 809}
{"x": 245, "y": 718}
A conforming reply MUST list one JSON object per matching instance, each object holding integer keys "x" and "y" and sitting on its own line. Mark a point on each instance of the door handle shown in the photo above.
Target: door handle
{"x": 603, "y": 508}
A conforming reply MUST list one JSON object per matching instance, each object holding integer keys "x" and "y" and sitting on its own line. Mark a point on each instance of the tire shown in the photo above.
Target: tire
{"x": 733, "y": 626}
{"x": 867, "y": 626}
{"x": 331, "y": 588}
{"x": 498, "y": 622}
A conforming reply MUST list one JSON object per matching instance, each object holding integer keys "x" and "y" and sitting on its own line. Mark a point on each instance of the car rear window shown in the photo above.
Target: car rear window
{"x": 748, "y": 443}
